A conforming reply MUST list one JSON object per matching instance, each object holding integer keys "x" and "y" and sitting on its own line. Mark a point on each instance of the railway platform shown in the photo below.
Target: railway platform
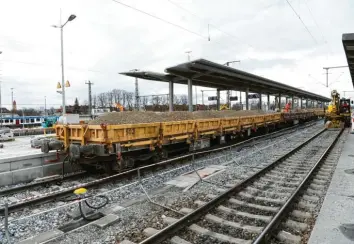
{"x": 335, "y": 223}
{"x": 21, "y": 163}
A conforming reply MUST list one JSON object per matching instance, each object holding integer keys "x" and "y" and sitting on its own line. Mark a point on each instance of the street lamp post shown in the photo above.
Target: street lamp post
{"x": 71, "y": 18}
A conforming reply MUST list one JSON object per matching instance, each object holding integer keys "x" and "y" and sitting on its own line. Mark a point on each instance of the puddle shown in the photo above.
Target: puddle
{"x": 347, "y": 230}
{"x": 349, "y": 171}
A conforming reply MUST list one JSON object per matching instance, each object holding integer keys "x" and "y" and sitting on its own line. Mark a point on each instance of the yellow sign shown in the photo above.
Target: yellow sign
{"x": 58, "y": 85}
{"x": 67, "y": 84}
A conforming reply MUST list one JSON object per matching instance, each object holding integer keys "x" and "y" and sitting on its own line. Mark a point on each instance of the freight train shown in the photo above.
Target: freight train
{"x": 117, "y": 147}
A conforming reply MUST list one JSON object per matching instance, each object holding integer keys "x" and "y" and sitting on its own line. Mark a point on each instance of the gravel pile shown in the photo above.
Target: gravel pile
{"x": 25, "y": 228}
{"x": 151, "y": 117}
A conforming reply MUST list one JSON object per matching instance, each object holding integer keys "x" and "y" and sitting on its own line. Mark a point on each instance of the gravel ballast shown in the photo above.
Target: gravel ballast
{"x": 151, "y": 117}
{"x": 25, "y": 227}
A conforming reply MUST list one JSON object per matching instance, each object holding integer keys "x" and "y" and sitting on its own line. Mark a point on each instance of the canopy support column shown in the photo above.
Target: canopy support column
{"x": 247, "y": 102}
{"x": 190, "y": 96}
{"x": 218, "y": 99}
{"x": 268, "y": 101}
{"x": 170, "y": 102}
{"x": 260, "y": 101}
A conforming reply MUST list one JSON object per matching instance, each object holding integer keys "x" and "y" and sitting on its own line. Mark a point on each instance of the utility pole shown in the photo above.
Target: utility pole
{"x": 137, "y": 98}
{"x": 229, "y": 91}
{"x": 89, "y": 83}
{"x": 334, "y": 67}
{"x": 45, "y": 106}
{"x": 12, "y": 101}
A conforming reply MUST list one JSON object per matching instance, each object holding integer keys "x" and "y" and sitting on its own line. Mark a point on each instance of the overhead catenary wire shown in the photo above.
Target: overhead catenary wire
{"x": 212, "y": 25}
{"x": 318, "y": 27}
{"x": 161, "y": 19}
{"x": 303, "y": 23}
{"x": 206, "y": 38}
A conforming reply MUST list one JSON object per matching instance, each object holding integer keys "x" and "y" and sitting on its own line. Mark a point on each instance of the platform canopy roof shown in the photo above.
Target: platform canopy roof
{"x": 213, "y": 75}
{"x": 348, "y": 44}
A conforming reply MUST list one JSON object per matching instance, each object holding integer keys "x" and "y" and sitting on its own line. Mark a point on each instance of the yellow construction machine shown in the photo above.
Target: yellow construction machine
{"x": 338, "y": 113}
{"x": 119, "y": 107}
{"x": 224, "y": 107}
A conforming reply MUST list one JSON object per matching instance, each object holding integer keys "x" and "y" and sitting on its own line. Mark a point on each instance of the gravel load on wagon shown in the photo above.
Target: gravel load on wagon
{"x": 135, "y": 117}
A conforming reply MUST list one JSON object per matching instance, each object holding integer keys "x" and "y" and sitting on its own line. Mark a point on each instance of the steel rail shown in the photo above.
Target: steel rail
{"x": 58, "y": 178}
{"x": 202, "y": 210}
{"x": 61, "y": 193}
{"x": 264, "y": 235}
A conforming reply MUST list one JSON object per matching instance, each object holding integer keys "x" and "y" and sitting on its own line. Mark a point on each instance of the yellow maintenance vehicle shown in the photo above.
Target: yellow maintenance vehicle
{"x": 338, "y": 113}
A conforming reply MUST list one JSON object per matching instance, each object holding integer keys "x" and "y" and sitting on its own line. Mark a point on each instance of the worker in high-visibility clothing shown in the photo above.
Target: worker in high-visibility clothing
{"x": 287, "y": 107}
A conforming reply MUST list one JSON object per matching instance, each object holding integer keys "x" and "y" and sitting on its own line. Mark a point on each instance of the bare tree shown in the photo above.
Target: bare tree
{"x": 156, "y": 100}
{"x": 144, "y": 101}
{"x": 183, "y": 99}
{"x": 94, "y": 101}
{"x": 109, "y": 96}
{"x": 124, "y": 98}
{"x": 117, "y": 95}
{"x": 129, "y": 98}
{"x": 164, "y": 100}
{"x": 176, "y": 100}
{"x": 102, "y": 100}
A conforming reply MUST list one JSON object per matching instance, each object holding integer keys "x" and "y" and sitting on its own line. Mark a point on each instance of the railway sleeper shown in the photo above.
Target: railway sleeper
{"x": 226, "y": 210}
{"x": 277, "y": 201}
{"x": 280, "y": 188}
{"x": 301, "y": 214}
{"x": 285, "y": 178}
{"x": 287, "y": 237}
{"x": 255, "y": 206}
{"x": 305, "y": 205}
{"x": 246, "y": 197}
{"x": 179, "y": 240}
{"x": 257, "y": 191}
{"x": 295, "y": 225}
{"x": 279, "y": 182}
{"x": 220, "y": 237}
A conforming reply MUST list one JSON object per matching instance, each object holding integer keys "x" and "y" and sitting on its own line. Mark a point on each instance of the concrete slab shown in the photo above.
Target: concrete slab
{"x": 26, "y": 163}
{"x": 56, "y": 169}
{"x": 190, "y": 179}
{"x": 106, "y": 221}
{"x": 6, "y": 178}
{"x": 29, "y": 174}
{"x": 5, "y": 167}
{"x": 335, "y": 220}
{"x": 42, "y": 237}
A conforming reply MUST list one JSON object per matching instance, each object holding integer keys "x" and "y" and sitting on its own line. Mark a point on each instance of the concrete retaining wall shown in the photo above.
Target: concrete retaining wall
{"x": 26, "y": 168}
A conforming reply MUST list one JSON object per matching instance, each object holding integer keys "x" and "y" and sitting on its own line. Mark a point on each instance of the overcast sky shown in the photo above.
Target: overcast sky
{"x": 107, "y": 38}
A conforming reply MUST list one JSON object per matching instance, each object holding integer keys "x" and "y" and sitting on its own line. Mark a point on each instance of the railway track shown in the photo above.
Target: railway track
{"x": 250, "y": 211}
{"x": 59, "y": 194}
